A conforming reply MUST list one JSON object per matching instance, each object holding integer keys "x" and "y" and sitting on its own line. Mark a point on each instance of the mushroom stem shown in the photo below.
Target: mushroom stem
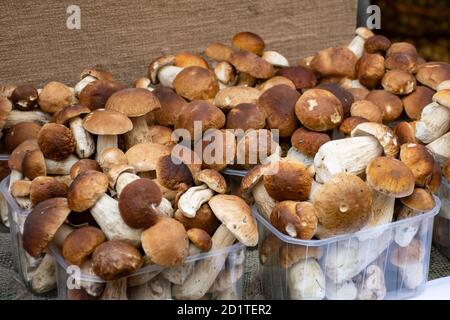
{"x": 167, "y": 75}
{"x": 357, "y": 46}
{"x": 434, "y": 122}
{"x": 156, "y": 289}
{"x": 124, "y": 179}
{"x": 193, "y": 198}
{"x": 115, "y": 290}
{"x": 44, "y": 278}
{"x": 178, "y": 274}
{"x": 207, "y": 270}
{"x": 306, "y": 281}
{"x": 441, "y": 148}
{"x": 84, "y": 142}
{"x": 83, "y": 83}
{"x": 103, "y": 142}
{"x": 139, "y": 134}
{"x": 296, "y": 155}
{"x": 16, "y": 116}
{"x": 165, "y": 208}
{"x": 60, "y": 167}
{"x": 14, "y": 176}
{"x": 4, "y": 211}
{"x": 264, "y": 202}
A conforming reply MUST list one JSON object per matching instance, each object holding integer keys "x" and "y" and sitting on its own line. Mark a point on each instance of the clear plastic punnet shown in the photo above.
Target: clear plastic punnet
{"x": 386, "y": 262}
{"x": 441, "y": 233}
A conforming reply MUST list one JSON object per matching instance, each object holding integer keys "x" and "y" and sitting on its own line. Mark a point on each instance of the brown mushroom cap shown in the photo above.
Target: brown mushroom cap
{"x": 248, "y": 41}
{"x": 188, "y": 59}
{"x": 335, "y": 62}
{"x": 413, "y": 253}
{"x": 435, "y": 181}
{"x": 218, "y": 149}
{"x": 96, "y": 93}
{"x": 398, "y": 82}
{"x": 343, "y": 205}
{"x": 24, "y": 97}
{"x": 345, "y": 97}
{"x": 254, "y": 147}
{"x": 431, "y": 74}
{"x": 275, "y": 81}
{"x": 5, "y": 109}
{"x": 446, "y": 170}
{"x": 161, "y": 135}
{"x": 200, "y": 238}
{"x": 302, "y": 78}
{"x": 290, "y": 182}
{"x": 389, "y": 103}
{"x": 350, "y": 123}
{"x": 367, "y": 110}
{"x": 173, "y": 174}
{"x": 218, "y": 51}
{"x": 16, "y": 157}
{"x": 196, "y": 83}
{"x": 250, "y": 63}
{"x": 166, "y": 242}
{"x": 69, "y": 112}
{"x": 115, "y": 259}
{"x": 229, "y": 97}
{"x": 86, "y": 189}
{"x": 237, "y": 216}
{"x": 43, "y": 188}
{"x": 138, "y": 202}
{"x": 133, "y": 102}
{"x": 370, "y": 69}
{"x": 33, "y": 164}
{"x": 405, "y": 132}
{"x": 97, "y": 73}
{"x": 377, "y": 44}
{"x": 115, "y": 171}
{"x": 144, "y": 156}
{"x": 358, "y": 93}
{"x": 56, "y": 141}
{"x": 390, "y": 177}
{"x": 420, "y": 200}
{"x": 308, "y": 142}
{"x": 18, "y": 133}
{"x": 419, "y": 160}
{"x": 55, "y": 96}
{"x": 110, "y": 157}
{"x": 204, "y": 219}
{"x": 209, "y": 115}
{"x": 319, "y": 110}
{"x": 99, "y": 122}
{"x": 246, "y": 116}
{"x": 42, "y": 223}
{"x": 80, "y": 244}
{"x": 213, "y": 179}
{"x": 416, "y": 101}
{"x": 442, "y": 97}
{"x": 401, "y": 55}
{"x": 84, "y": 165}
{"x": 171, "y": 105}
{"x": 296, "y": 219}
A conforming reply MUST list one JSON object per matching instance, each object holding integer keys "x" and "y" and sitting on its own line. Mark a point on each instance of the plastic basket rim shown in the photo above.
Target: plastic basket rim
{"x": 234, "y": 172}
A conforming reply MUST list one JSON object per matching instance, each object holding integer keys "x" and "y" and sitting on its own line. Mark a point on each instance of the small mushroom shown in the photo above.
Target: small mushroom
{"x": 419, "y": 160}
{"x": 191, "y": 200}
{"x": 248, "y": 41}
{"x": 81, "y": 243}
{"x": 55, "y": 96}
{"x": 367, "y": 110}
{"x": 228, "y": 98}
{"x": 390, "y": 104}
{"x": 434, "y": 123}
{"x": 296, "y": 219}
{"x": 306, "y": 281}
{"x": 204, "y": 219}
{"x": 246, "y": 116}
{"x": 433, "y": 74}
{"x": 409, "y": 261}
{"x": 383, "y": 133}
{"x": 398, "y": 82}
{"x": 416, "y": 101}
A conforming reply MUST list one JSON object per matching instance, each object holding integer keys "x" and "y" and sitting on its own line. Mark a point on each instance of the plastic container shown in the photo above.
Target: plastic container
{"x": 441, "y": 233}
{"x": 368, "y": 264}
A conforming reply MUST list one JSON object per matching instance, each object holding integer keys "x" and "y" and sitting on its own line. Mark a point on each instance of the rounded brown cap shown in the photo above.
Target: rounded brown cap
{"x": 377, "y": 44}
{"x": 210, "y": 145}
{"x": 350, "y": 123}
{"x": 359, "y": 93}
{"x": 290, "y": 182}
{"x": 390, "y": 177}
{"x": 367, "y": 110}
{"x": 5, "y": 109}
{"x": 6, "y": 90}
{"x": 161, "y": 135}
{"x": 405, "y": 132}
{"x": 389, "y": 103}
{"x": 204, "y": 219}
{"x": 115, "y": 259}
{"x": 213, "y": 179}
{"x": 419, "y": 160}
{"x": 200, "y": 238}
{"x": 246, "y": 116}
{"x": 296, "y": 219}
{"x": 218, "y": 51}
{"x": 202, "y": 111}
{"x": 166, "y": 242}
{"x": 84, "y": 165}
{"x": 230, "y": 97}
{"x": 188, "y": 59}
{"x": 99, "y": 122}
{"x": 86, "y": 189}
{"x": 115, "y": 171}
{"x": 18, "y": 133}
{"x": 401, "y": 55}
{"x": 412, "y": 254}
{"x": 55, "y": 96}
{"x": 144, "y": 156}
{"x": 446, "y": 170}
{"x": 370, "y": 69}
{"x": 237, "y": 216}
{"x": 108, "y": 158}
{"x": 138, "y": 202}
{"x": 96, "y": 93}
{"x": 420, "y": 200}
{"x": 431, "y": 74}
{"x": 278, "y": 104}
{"x": 42, "y": 223}
{"x": 435, "y": 181}
{"x": 173, "y": 174}
{"x": 133, "y": 102}
{"x": 33, "y": 164}
{"x": 69, "y": 112}
{"x": 442, "y": 97}
{"x": 308, "y": 142}
{"x": 335, "y": 62}
{"x": 196, "y": 83}
{"x": 343, "y": 205}
{"x": 24, "y": 97}
{"x": 16, "y": 157}
{"x": 171, "y": 105}
{"x": 251, "y": 64}
{"x": 43, "y": 188}
{"x": 248, "y": 41}
{"x": 417, "y": 100}
{"x": 275, "y": 81}
{"x": 81, "y": 243}
{"x": 319, "y": 110}
{"x": 398, "y": 82}
{"x": 97, "y": 73}
{"x": 302, "y": 78}
{"x": 56, "y": 141}
{"x": 344, "y": 96}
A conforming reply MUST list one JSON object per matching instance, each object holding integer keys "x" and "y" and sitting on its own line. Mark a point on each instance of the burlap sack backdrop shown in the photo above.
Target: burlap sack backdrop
{"x": 123, "y": 36}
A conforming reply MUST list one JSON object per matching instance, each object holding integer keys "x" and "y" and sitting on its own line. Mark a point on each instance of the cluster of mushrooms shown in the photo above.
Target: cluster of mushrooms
{"x": 363, "y": 132}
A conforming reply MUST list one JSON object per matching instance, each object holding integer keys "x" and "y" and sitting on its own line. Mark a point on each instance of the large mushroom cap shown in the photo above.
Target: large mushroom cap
{"x": 16, "y": 158}
{"x": 335, "y": 62}
{"x": 420, "y": 200}
{"x": 229, "y": 97}
{"x": 417, "y": 100}
{"x": 196, "y": 83}
{"x": 398, "y": 82}
{"x": 133, "y": 102}
{"x": 237, "y": 216}
{"x": 56, "y": 141}
{"x": 296, "y": 219}
{"x": 248, "y": 41}
{"x": 343, "y": 205}
{"x": 173, "y": 174}
{"x": 43, "y": 188}
{"x": 250, "y": 63}
{"x": 55, "y": 96}
{"x": 246, "y": 116}
{"x": 171, "y": 105}
{"x": 389, "y": 103}
{"x": 18, "y": 133}
{"x": 207, "y": 115}
{"x": 80, "y": 244}
{"x": 107, "y": 122}
{"x": 86, "y": 189}
{"x": 33, "y": 164}
{"x": 302, "y": 78}
{"x": 69, "y": 112}
{"x": 345, "y": 96}
{"x": 95, "y": 94}
{"x": 144, "y": 156}
{"x": 432, "y": 74}
{"x": 308, "y": 142}
{"x": 419, "y": 160}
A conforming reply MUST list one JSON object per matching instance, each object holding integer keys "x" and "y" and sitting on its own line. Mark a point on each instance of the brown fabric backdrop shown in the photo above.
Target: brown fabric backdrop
{"x": 36, "y": 46}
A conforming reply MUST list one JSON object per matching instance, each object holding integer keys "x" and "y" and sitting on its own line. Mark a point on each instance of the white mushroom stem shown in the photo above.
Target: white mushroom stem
{"x": 371, "y": 284}
{"x": 443, "y": 85}
{"x": 206, "y": 270}
{"x": 106, "y": 213}
{"x": 275, "y": 58}
{"x": 434, "y": 122}
{"x": 156, "y": 289}
{"x": 103, "y": 142}
{"x": 294, "y": 154}
{"x": 441, "y": 148}
{"x": 123, "y": 180}
{"x": 193, "y": 198}
{"x": 83, "y": 83}
{"x": 61, "y": 234}
{"x": 406, "y": 232}
{"x": 17, "y": 116}
{"x": 357, "y": 46}
{"x": 167, "y": 75}
{"x": 179, "y": 274}
{"x": 229, "y": 294}
{"x": 84, "y": 142}
{"x": 227, "y": 278}
{"x": 13, "y": 177}
{"x": 165, "y": 208}
{"x": 413, "y": 275}
{"x": 314, "y": 188}
{"x": 264, "y": 202}
{"x": 115, "y": 290}
{"x": 44, "y": 278}
{"x": 24, "y": 203}
{"x": 306, "y": 281}
{"x": 139, "y": 134}
{"x": 225, "y": 73}
{"x": 4, "y": 211}
{"x": 60, "y": 167}
{"x": 341, "y": 291}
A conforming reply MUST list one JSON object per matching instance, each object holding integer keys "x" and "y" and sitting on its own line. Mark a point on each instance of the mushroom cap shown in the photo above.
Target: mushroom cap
{"x": 83, "y": 165}
{"x": 115, "y": 171}
{"x": 161, "y": 135}
{"x": 442, "y": 97}
{"x": 290, "y": 254}
{"x": 56, "y": 141}
{"x": 144, "y": 156}
{"x": 86, "y": 189}
{"x": 350, "y": 123}
{"x": 446, "y": 170}
{"x": 343, "y": 205}
{"x": 110, "y": 157}
{"x": 302, "y": 78}
{"x": 358, "y": 93}
{"x": 435, "y": 181}
{"x": 412, "y": 254}
{"x": 95, "y": 94}
{"x": 405, "y": 132}
{"x": 24, "y": 97}
{"x": 237, "y": 216}
{"x": 308, "y": 142}
{"x": 344, "y": 96}
{"x": 5, "y": 109}
{"x": 33, "y": 164}
{"x": 275, "y": 81}
{"x": 171, "y": 106}
{"x": 200, "y": 238}
{"x": 156, "y": 65}
{"x": 336, "y": 61}
{"x": 246, "y": 116}
{"x": 402, "y": 56}
{"x": 218, "y": 51}
{"x": 99, "y": 122}
{"x": 398, "y": 82}
{"x": 382, "y": 133}
{"x": 377, "y": 44}
{"x": 43, "y": 188}
{"x": 115, "y": 259}
{"x": 278, "y": 104}
{"x": 42, "y": 223}
{"x": 213, "y": 179}
{"x": 251, "y": 179}
{"x": 296, "y": 219}
{"x": 69, "y": 112}
{"x": 166, "y": 242}
{"x": 390, "y": 104}
{"x": 209, "y": 115}
{"x": 188, "y": 59}
{"x": 248, "y": 41}
{"x": 133, "y": 102}
{"x": 255, "y": 147}
{"x": 173, "y": 174}
{"x": 390, "y": 177}
{"x": 370, "y": 69}
{"x": 319, "y": 110}
{"x": 6, "y": 90}
{"x": 138, "y": 202}
{"x": 230, "y": 97}
{"x": 419, "y": 160}
{"x": 420, "y": 200}
{"x": 16, "y": 157}
{"x": 367, "y": 110}
{"x": 218, "y": 149}
{"x": 18, "y": 133}
{"x": 431, "y": 74}
{"x": 55, "y": 96}
{"x": 97, "y": 73}
{"x": 204, "y": 219}
{"x": 252, "y": 64}
{"x": 291, "y": 181}
{"x": 81, "y": 243}
{"x": 196, "y": 83}
{"x": 402, "y": 47}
